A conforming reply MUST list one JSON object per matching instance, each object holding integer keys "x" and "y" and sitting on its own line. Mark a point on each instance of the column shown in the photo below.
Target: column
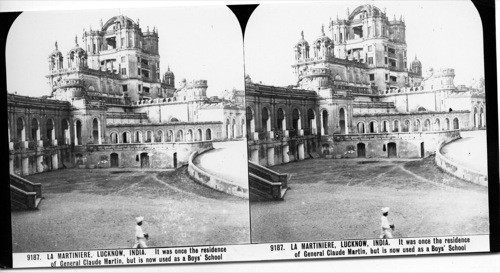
{"x": 286, "y": 157}
{"x": 255, "y": 156}
{"x": 55, "y": 162}
{"x": 39, "y": 165}
{"x": 270, "y": 157}
{"x": 25, "y": 166}
{"x": 301, "y": 151}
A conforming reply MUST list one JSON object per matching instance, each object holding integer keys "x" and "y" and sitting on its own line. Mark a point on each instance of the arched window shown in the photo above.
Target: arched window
{"x": 250, "y": 123}
{"x": 361, "y": 127}
{"x": 170, "y": 136}
{"x": 96, "y": 131}
{"x": 138, "y": 137}
{"x": 266, "y": 120}
{"x": 198, "y": 135}
{"x": 296, "y": 120}
{"x": 324, "y": 121}
{"x": 50, "y": 129}
{"x": 114, "y": 138}
{"x": 35, "y": 129}
{"x": 159, "y": 136}
{"x": 427, "y": 125}
{"x": 208, "y": 134}
{"x": 149, "y": 136}
{"x": 395, "y": 128}
{"x": 189, "y": 136}
{"x": 416, "y": 127}
{"x": 372, "y": 127}
{"x": 406, "y": 126}
{"x": 342, "y": 121}
{"x": 179, "y": 137}
{"x": 78, "y": 132}
{"x": 125, "y": 137}
{"x": 20, "y": 132}
{"x": 280, "y": 118}
{"x": 456, "y": 124}
{"x": 65, "y": 130}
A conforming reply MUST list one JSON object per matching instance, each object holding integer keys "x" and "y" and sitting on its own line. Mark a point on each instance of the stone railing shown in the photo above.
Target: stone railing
{"x": 213, "y": 181}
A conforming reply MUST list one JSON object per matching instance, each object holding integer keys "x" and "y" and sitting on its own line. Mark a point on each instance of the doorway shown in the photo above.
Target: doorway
{"x": 175, "y": 160}
{"x": 144, "y": 160}
{"x": 391, "y": 150}
{"x": 114, "y": 160}
{"x": 422, "y": 150}
{"x": 361, "y": 150}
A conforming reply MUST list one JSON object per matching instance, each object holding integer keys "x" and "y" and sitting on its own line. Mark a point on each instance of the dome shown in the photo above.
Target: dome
{"x": 323, "y": 37}
{"x": 416, "y": 62}
{"x": 77, "y": 50}
{"x": 56, "y": 52}
{"x": 168, "y": 73}
{"x": 302, "y": 41}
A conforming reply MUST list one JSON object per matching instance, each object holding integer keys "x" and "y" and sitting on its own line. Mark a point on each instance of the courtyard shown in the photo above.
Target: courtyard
{"x": 96, "y": 209}
{"x": 339, "y": 199}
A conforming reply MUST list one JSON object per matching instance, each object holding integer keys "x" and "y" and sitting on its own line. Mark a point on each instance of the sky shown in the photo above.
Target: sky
{"x": 196, "y": 42}
{"x": 441, "y": 33}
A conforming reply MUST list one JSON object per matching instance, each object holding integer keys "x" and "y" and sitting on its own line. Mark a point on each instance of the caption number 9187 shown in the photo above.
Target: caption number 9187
{"x": 278, "y": 247}
{"x": 33, "y": 257}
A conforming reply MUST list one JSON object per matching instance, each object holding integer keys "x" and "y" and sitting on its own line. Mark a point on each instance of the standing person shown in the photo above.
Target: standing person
{"x": 140, "y": 236}
{"x": 386, "y": 226}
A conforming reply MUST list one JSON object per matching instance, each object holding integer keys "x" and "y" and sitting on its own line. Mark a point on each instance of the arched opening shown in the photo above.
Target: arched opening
{"x": 189, "y": 135}
{"x": 406, "y": 126}
{"x": 208, "y": 134}
{"x": 395, "y": 128}
{"x": 266, "y": 120}
{"x": 149, "y": 137}
{"x": 228, "y": 131}
{"x": 170, "y": 135}
{"x": 437, "y": 125}
{"x": 114, "y": 138}
{"x": 311, "y": 121}
{"x": 416, "y": 127}
{"x": 114, "y": 162}
{"x": 456, "y": 124}
{"x": 296, "y": 121}
{"x": 481, "y": 118}
{"x": 250, "y": 123}
{"x": 159, "y": 136}
{"x": 324, "y": 120}
{"x": 179, "y": 137}
{"x": 50, "y": 130}
{"x": 361, "y": 150}
{"x": 233, "y": 129}
{"x": 96, "y": 136}
{"x": 78, "y": 133}
{"x": 391, "y": 149}
{"x": 372, "y": 127}
{"x": 20, "y": 134}
{"x": 198, "y": 135}
{"x": 342, "y": 121}
{"x": 144, "y": 160}
{"x": 475, "y": 117}
{"x": 447, "y": 123}
{"x": 427, "y": 125}
{"x": 125, "y": 137}
{"x": 65, "y": 129}
{"x": 385, "y": 125}
{"x": 175, "y": 160}
{"x": 361, "y": 128}
{"x": 422, "y": 150}
{"x": 35, "y": 129}
{"x": 280, "y": 118}
{"x": 138, "y": 137}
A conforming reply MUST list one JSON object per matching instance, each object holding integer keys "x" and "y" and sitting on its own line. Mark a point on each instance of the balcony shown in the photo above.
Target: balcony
{"x": 392, "y": 55}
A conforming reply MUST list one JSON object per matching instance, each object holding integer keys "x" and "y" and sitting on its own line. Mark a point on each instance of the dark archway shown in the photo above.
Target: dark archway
{"x": 144, "y": 160}
{"x": 95, "y": 131}
{"x": 175, "y": 160}
{"x": 78, "y": 132}
{"x": 114, "y": 161}
{"x": 361, "y": 150}
{"x": 422, "y": 150}
{"x": 342, "y": 122}
{"x": 391, "y": 150}
{"x": 456, "y": 124}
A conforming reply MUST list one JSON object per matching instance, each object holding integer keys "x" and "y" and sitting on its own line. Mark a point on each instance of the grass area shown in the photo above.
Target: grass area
{"x": 95, "y": 209}
{"x": 341, "y": 199}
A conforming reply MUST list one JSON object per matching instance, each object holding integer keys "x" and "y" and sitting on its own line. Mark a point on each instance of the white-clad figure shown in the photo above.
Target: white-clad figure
{"x": 140, "y": 236}
{"x": 386, "y": 226}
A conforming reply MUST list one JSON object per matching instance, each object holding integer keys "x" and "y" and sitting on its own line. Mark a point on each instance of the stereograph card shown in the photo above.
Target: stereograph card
{"x": 279, "y": 131}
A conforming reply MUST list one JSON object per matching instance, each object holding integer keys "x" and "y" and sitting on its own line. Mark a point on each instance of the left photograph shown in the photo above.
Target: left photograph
{"x": 127, "y": 129}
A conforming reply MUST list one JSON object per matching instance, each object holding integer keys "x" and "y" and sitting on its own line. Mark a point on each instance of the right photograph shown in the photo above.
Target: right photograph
{"x": 366, "y": 121}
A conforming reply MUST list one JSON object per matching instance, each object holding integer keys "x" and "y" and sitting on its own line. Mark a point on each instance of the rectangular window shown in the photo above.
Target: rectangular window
{"x": 139, "y": 87}
{"x": 138, "y": 71}
{"x": 385, "y": 48}
{"x": 123, "y": 59}
{"x": 124, "y": 88}
{"x": 372, "y": 77}
{"x": 370, "y": 60}
{"x": 386, "y": 77}
{"x": 385, "y": 60}
{"x": 124, "y": 71}
{"x": 393, "y": 79}
{"x": 146, "y": 89}
{"x": 370, "y": 48}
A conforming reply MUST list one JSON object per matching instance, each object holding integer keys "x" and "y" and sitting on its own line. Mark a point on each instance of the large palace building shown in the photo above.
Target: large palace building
{"x": 110, "y": 107}
{"x": 357, "y": 96}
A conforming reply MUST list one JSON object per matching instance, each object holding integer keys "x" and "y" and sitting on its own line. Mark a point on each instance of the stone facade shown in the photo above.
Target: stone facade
{"x": 110, "y": 107}
{"x": 356, "y": 96}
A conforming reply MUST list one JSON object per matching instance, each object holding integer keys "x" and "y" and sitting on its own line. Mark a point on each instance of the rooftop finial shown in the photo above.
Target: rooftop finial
{"x": 302, "y": 34}
{"x": 138, "y": 22}
{"x": 348, "y": 12}
{"x": 101, "y": 23}
{"x": 147, "y": 29}
{"x": 323, "y": 30}
{"x": 56, "y": 45}
{"x": 76, "y": 40}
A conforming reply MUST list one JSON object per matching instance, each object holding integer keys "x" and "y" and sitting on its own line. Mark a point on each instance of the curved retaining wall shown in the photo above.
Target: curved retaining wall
{"x": 213, "y": 181}
{"x": 459, "y": 170}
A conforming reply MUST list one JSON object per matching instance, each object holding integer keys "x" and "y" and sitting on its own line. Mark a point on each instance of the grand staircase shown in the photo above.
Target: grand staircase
{"x": 24, "y": 194}
{"x": 266, "y": 184}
